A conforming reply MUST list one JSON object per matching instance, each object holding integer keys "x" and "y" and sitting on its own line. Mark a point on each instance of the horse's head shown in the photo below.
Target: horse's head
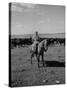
{"x": 45, "y": 42}
{"x": 45, "y": 46}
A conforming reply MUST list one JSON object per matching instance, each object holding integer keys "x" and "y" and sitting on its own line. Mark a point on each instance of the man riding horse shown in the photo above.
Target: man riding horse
{"x": 35, "y": 40}
{"x": 38, "y": 48}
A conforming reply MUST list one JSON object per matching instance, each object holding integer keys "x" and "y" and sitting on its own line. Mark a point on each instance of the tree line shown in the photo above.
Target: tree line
{"x": 28, "y": 41}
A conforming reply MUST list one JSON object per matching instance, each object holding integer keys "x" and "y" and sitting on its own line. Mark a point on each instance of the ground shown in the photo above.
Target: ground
{"x": 23, "y": 73}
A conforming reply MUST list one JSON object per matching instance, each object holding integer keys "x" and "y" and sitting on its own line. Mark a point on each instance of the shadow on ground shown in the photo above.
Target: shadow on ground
{"x": 55, "y": 64}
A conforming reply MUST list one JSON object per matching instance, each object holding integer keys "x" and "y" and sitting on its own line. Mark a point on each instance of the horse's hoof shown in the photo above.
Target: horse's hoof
{"x": 31, "y": 63}
{"x": 44, "y": 65}
{"x": 38, "y": 66}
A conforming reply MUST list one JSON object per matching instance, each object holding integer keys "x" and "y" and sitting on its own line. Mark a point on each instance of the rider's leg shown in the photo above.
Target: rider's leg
{"x": 32, "y": 55}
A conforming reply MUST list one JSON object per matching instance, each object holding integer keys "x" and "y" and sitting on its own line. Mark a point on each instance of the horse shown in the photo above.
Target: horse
{"x": 38, "y": 50}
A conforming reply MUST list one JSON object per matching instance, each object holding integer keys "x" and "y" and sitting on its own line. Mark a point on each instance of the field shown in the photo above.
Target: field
{"x": 25, "y": 74}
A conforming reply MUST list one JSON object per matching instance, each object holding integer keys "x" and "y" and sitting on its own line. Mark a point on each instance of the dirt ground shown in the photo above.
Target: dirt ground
{"x": 25, "y": 74}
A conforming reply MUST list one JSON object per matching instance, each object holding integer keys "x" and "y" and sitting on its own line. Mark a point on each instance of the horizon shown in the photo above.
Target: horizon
{"x": 39, "y": 33}
{"x": 51, "y": 35}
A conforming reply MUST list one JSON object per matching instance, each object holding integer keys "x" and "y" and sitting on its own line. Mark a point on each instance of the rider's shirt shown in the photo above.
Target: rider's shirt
{"x": 35, "y": 38}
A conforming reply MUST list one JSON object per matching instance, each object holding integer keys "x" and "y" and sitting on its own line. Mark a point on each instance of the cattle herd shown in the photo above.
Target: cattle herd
{"x": 20, "y": 42}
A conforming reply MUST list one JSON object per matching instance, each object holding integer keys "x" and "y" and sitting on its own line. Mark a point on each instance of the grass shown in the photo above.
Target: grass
{"x": 25, "y": 74}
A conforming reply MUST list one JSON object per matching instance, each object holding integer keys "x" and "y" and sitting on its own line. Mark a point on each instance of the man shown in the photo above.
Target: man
{"x": 35, "y": 37}
{"x": 35, "y": 40}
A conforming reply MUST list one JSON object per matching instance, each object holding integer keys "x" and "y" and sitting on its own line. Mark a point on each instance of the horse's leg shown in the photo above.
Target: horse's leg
{"x": 38, "y": 58}
{"x": 43, "y": 60}
{"x": 32, "y": 57}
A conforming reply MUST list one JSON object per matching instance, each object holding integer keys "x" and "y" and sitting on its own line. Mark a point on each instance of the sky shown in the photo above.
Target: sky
{"x": 26, "y": 18}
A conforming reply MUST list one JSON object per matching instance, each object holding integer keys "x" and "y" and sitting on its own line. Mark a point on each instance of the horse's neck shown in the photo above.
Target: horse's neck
{"x": 44, "y": 44}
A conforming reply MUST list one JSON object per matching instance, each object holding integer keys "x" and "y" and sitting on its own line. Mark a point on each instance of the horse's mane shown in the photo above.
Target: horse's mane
{"x": 42, "y": 42}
